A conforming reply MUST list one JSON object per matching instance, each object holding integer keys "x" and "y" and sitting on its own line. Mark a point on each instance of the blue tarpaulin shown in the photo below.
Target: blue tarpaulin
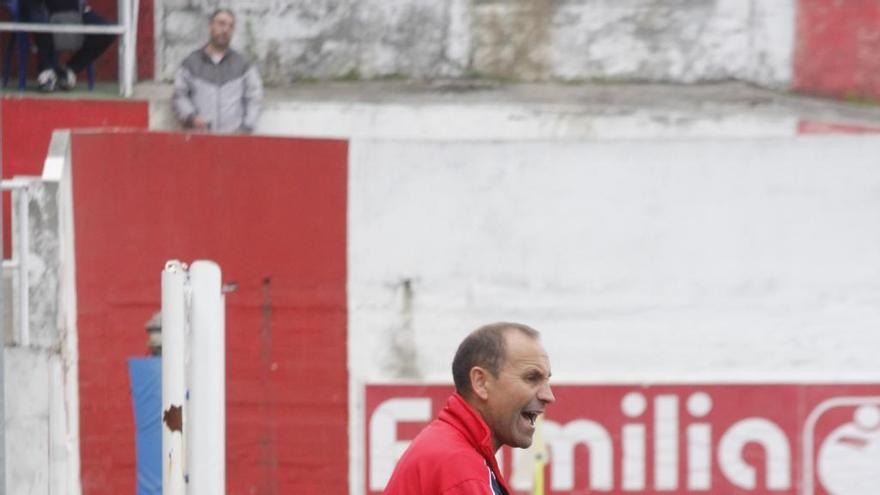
{"x": 146, "y": 395}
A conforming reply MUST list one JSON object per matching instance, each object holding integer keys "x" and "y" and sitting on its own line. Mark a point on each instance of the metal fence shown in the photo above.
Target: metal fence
{"x": 17, "y": 263}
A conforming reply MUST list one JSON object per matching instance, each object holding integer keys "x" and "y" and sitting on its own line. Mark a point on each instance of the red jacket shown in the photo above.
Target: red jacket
{"x": 451, "y": 456}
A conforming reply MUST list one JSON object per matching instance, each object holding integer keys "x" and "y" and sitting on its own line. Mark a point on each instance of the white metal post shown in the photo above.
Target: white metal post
{"x": 133, "y": 34}
{"x": 173, "y": 379}
{"x": 206, "y": 437}
{"x": 126, "y": 48}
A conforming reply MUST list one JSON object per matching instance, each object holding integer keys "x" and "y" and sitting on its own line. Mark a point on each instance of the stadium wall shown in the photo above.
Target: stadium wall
{"x": 718, "y": 260}
{"x": 646, "y": 264}
{"x": 536, "y": 40}
{"x": 824, "y": 47}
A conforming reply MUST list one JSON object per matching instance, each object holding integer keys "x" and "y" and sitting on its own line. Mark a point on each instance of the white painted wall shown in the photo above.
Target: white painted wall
{"x": 475, "y": 122}
{"x": 644, "y": 40}
{"x": 42, "y": 406}
{"x": 465, "y": 121}
{"x": 640, "y": 261}
{"x": 37, "y": 456}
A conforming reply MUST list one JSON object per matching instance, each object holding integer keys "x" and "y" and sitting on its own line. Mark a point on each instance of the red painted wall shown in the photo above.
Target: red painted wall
{"x": 272, "y": 213}
{"x": 838, "y": 48}
{"x": 817, "y": 127}
{"x": 27, "y": 124}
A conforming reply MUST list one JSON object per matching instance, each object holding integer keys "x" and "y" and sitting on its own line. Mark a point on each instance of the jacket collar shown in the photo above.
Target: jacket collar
{"x": 468, "y": 421}
{"x": 207, "y": 57}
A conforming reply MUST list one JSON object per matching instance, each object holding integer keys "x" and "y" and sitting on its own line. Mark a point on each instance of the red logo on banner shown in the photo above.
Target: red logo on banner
{"x": 806, "y": 439}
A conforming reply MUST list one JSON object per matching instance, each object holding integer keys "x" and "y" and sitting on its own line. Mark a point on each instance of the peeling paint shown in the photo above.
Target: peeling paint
{"x": 173, "y": 418}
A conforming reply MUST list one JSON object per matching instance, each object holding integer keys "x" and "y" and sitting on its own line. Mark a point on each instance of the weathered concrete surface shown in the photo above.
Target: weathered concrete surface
{"x": 643, "y": 40}
{"x": 326, "y": 38}
{"x": 648, "y": 40}
{"x": 41, "y": 263}
{"x": 41, "y": 387}
{"x": 475, "y": 110}
{"x": 36, "y": 451}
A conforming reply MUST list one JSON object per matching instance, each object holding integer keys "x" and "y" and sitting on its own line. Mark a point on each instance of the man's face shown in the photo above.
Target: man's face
{"x": 519, "y": 393}
{"x": 221, "y": 29}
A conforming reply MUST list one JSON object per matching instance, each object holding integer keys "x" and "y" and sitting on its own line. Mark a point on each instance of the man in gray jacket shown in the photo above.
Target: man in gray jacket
{"x": 216, "y": 88}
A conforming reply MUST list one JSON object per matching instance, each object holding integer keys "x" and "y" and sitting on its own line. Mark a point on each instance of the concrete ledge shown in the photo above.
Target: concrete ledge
{"x": 482, "y": 109}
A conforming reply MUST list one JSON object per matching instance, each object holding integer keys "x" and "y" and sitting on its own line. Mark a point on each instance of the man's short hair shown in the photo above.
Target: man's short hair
{"x": 221, "y": 10}
{"x": 485, "y": 348}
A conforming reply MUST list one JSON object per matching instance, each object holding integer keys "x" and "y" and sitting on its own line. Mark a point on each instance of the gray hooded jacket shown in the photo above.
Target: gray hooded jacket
{"x": 228, "y": 94}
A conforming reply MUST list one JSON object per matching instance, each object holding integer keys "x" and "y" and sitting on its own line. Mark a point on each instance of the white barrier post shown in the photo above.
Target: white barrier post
{"x": 173, "y": 378}
{"x": 193, "y": 380}
{"x": 206, "y": 439}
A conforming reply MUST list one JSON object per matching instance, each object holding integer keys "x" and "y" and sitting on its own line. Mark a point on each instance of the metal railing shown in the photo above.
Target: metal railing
{"x": 125, "y": 29}
{"x": 18, "y": 261}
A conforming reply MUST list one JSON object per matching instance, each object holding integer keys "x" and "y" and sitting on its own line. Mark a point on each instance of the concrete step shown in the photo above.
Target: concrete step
{"x": 481, "y": 109}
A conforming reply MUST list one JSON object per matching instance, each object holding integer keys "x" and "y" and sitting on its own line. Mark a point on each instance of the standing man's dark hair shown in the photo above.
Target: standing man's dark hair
{"x": 483, "y": 347}
{"x": 221, "y": 10}
{"x": 502, "y": 380}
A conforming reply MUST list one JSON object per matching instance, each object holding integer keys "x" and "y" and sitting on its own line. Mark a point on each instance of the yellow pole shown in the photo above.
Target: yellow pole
{"x": 540, "y": 457}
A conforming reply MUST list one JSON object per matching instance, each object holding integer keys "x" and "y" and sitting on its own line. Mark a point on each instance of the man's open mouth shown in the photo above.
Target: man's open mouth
{"x": 531, "y": 416}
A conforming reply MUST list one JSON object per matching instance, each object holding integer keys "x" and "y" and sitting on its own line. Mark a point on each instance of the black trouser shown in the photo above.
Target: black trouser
{"x": 92, "y": 48}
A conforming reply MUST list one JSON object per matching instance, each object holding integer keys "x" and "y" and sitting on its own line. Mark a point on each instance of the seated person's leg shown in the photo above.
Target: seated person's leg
{"x": 47, "y": 59}
{"x": 93, "y": 44}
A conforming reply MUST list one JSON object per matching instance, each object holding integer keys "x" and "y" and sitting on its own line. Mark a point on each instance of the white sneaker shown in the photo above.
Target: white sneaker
{"x": 47, "y": 80}
{"x": 67, "y": 79}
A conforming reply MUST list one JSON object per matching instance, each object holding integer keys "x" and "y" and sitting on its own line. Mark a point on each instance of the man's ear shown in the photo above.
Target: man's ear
{"x": 480, "y": 382}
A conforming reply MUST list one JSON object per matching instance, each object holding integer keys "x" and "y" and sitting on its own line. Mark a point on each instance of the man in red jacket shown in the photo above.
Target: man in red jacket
{"x": 501, "y": 375}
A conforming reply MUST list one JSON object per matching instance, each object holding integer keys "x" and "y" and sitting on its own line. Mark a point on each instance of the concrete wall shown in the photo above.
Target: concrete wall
{"x": 43, "y": 260}
{"x": 480, "y": 110}
{"x": 825, "y": 47}
{"x": 36, "y": 452}
{"x": 641, "y": 261}
{"x": 470, "y": 122}
{"x": 462, "y": 121}
{"x": 40, "y": 432}
{"x": 656, "y": 40}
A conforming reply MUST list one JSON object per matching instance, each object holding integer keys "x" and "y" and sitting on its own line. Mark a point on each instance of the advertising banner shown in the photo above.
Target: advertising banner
{"x": 713, "y": 438}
